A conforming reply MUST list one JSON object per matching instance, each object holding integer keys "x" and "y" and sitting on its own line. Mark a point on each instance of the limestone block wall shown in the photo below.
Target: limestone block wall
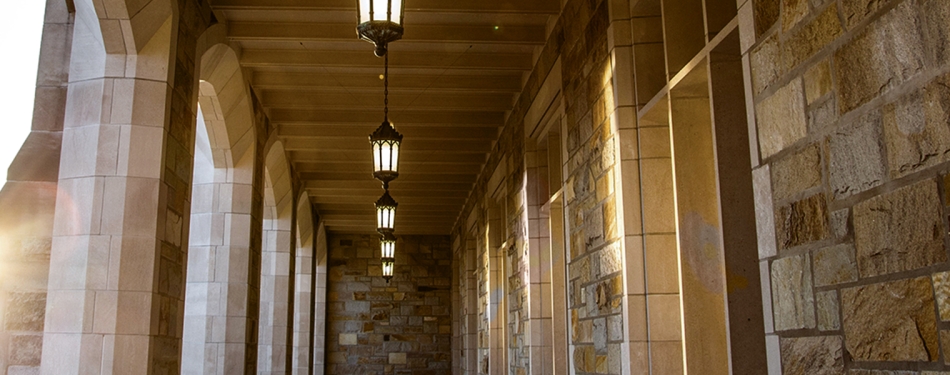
{"x": 403, "y": 327}
{"x": 852, "y": 110}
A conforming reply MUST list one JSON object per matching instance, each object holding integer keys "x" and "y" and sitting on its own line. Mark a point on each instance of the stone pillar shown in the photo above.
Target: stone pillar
{"x": 28, "y": 200}
{"x": 220, "y": 243}
{"x": 320, "y": 300}
{"x": 303, "y": 290}
{"x": 277, "y": 263}
{"x": 116, "y": 287}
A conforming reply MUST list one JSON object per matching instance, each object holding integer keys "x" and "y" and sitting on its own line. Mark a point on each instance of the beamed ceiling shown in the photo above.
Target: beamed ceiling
{"x": 453, "y": 77}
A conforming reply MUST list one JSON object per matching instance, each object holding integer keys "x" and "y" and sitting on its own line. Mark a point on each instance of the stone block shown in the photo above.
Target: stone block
{"x": 828, "y": 311}
{"x": 839, "y": 222}
{"x": 792, "y": 12}
{"x": 821, "y": 355}
{"x": 835, "y": 265}
{"x": 397, "y": 358}
{"x": 25, "y": 312}
{"x": 781, "y": 118}
{"x": 26, "y": 350}
{"x": 916, "y": 131}
{"x": 766, "y": 62}
{"x": 792, "y": 295}
{"x": 855, "y": 11}
{"x": 899, "y": 231}
{"x": 764, "y": 211}
{"x": 942, "y": 293}
{"x": 936, "y": 30}
{"x": 818, "y": 81}
{"x": 802, "y": 222}
{"x": 855, "y": 157}
{"x": 863, "y": 73}
{"x": 945, "y": 344}
{"x": 766, "y": 14}
{"x": 796, "y": 173}
{"x": 822, "y": 114}
{"x": 891, "y": 321}
{"x": 804, "y": 42}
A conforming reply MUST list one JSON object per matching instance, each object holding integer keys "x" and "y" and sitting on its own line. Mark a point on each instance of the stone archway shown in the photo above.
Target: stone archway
{"x": 219, "y": 292}
{"x": 277, "y": 265}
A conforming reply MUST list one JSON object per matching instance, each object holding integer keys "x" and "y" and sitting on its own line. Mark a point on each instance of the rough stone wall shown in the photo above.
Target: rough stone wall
{"x": 852, "y": 109}
{"x": 595, "y": 280}
{"x": 404, "y": 327}
{"x": 579, "y": 40}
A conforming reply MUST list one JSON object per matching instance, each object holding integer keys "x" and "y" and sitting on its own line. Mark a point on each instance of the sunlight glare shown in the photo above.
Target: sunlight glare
{"x": 20, "y": 39}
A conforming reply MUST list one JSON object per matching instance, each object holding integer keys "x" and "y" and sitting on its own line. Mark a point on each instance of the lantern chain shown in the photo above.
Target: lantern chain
{"x": 386, "y": 89}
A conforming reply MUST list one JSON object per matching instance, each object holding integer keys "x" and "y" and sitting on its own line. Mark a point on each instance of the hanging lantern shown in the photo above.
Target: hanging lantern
{"x": 385, "y": 141}
{"x": 385, "y": 213}
{"x": 380, "y": 22}
{"x": 387, "y": 245}
{"x": 388, "y": 268}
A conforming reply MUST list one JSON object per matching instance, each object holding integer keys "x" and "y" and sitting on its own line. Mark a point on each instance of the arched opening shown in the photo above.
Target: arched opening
{"x": 303, "y": 288}
{"x": 320, "y": 300}
{"x": 219, "y": 294}
{"x": 277, "y": 266}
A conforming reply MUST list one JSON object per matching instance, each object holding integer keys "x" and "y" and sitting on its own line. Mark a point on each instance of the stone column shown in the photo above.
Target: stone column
{"x": 276, "y": 267}
{"x": 303, "y": 290}
{"x": 116, "y": 287}
{"x": 28, "y": 200}
{"x": 320, "y": 300}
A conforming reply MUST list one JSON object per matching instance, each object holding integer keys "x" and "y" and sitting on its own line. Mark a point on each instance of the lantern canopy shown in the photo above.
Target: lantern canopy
{"x": 385, "y": 213}
{"x": 387, "y": 245}
{"x": 385, "y": 141}
{"x": 380, "y": 22}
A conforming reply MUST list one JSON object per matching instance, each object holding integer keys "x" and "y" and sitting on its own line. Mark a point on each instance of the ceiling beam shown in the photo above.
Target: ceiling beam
{"x": 409, "y": 116}
{"x": 377, "y": 191}
{"x": 409, "y": 131}
{"x": 367, "y": 168}
{"x": 398, "y": 185}
{"x": 483, "y": 6}
{"x": 329, "y": 156}
{"x": 405, "y": 59}
{"x": 503, "y": 81}
{"x": 357, "y": 100}
{"x": 464, "y": 146}
{"x": 301, "y": 31}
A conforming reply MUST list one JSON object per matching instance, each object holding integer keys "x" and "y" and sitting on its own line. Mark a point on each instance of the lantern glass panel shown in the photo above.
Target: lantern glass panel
{"x": 388, "y": 248}
{"x": 388, "y": 269}
{"x": 395, "y": 158}
{"x": 364, "y": 10}
{"x": 386, "y": 154}
{"x": 377, "y": 156}
{"x": 385, "y": 217}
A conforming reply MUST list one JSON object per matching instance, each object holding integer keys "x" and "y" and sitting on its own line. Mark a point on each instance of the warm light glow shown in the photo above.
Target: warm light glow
{"x": 380, "y": 10}
{"x": 388, "y": 268}
{"x": 377, "y": 157}
{"x": 385, "y": 141}
{"x": 395, "y": 157}
{"x": 387, "y": 245}
{"x": 385, "y": 217}
{"x": 385, "y": 213}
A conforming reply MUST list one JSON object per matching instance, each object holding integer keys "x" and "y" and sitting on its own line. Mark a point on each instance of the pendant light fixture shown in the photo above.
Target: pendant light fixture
{"x": 385, "y": 213}
{"x": 380, "y": 22}
{"x": 387, "y": 246}
{"x": 385, "y": 141}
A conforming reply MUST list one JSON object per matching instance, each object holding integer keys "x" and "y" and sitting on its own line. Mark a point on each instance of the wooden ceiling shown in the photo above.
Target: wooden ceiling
{"x": 453, "y": 77}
